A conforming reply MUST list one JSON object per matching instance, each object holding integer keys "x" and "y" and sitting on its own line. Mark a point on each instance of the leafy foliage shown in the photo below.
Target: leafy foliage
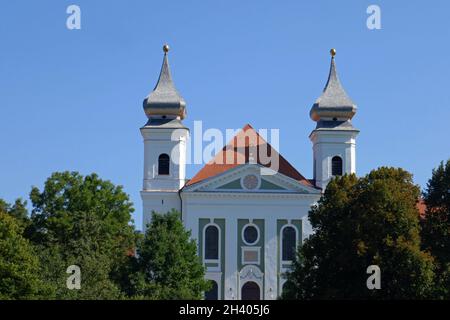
{"x": 167, "y": 264}
{"x": 361, "y": 222}
{"x": 82, "y": 221}
{"x": 86, "y": 221}
{"x": 19, "y": 265}
{"x": 18, "y": 211}
{"x": 436, "y": 226}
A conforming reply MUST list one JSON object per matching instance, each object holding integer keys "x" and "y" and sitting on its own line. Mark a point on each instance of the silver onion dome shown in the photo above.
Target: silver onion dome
{"x": 334, "y": 103}
{"x": 164, "y": 100}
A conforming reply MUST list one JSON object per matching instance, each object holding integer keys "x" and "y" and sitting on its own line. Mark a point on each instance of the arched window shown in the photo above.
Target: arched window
{"x": 250, "y": 291}
{"x": 211, "y": 243}
{"x": 163, "y": 164}
{"x": 213, "y": 293}
{"x": 336, "y": 166}
{"x": 289, "y": 240}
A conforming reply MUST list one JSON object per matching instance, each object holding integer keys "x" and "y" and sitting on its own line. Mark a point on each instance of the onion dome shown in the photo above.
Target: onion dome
{"x": 334, "y": 103}
{"x": 165, "y": 101}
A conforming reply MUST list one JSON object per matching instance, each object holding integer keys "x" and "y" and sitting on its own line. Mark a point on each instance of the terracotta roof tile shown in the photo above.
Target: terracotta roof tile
{"x": 240, "y": 150}
{"x": 422, "y": 207}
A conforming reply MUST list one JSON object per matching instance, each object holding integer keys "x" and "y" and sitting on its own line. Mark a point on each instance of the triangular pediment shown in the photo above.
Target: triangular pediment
{"x": 247, "y": 147}
{"x": 251, "y": 178}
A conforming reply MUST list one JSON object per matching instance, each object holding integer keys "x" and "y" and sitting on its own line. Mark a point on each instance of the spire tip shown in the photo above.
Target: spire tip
{"x": 166, "y": 48}
{"x": 333, "y": 53}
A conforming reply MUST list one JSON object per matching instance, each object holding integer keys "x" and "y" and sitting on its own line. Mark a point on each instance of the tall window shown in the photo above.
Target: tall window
{"x": 289, "y": 239}
{"x": 163, "y": 164}
{"x": 336, "y": 166}
{"x": 212, "y": 243}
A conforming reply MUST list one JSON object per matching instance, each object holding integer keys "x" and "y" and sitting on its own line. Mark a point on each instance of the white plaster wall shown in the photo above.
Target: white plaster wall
{"x": 231, "y": 207}
{"x": 217, "y": 277}
{"x": 156, "y": 142}
{"x": 326, "y": 145}
{"x": 160, "y": 192}
{"x": 160, "y": 202}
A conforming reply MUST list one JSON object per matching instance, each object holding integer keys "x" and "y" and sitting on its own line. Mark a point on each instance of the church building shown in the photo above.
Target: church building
{"x": 247, "y": 214}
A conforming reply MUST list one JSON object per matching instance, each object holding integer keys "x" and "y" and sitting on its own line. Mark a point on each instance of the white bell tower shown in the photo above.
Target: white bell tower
{"x": 165, "y": 139}
{"x": 334, "y": 138}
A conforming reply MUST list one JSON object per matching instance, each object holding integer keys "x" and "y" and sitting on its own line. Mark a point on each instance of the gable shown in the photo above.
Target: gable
{"x": 250, "y": 178}
{"x": 237, "y": 185}
{"x": 267, "y": 185}
{"x": 244, "y": 148}
{"x": 233, "y": 185}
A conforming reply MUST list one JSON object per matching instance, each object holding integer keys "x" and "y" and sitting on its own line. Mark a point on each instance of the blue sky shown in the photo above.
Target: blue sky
{"x": 72, "y": 99}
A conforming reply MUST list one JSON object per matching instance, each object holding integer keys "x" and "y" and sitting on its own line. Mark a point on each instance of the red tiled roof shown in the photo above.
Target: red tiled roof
{"x": 422, "y": 207}
{"x": 241, "y": 150}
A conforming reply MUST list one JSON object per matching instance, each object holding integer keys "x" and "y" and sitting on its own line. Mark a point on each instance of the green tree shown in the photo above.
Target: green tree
{"x": 361, "y": 222}
{"x": 83, "y": 221}
{"x": 19, "y": 264}
{"x": 167, "y": 265}
{"x": 436, "y": 226}
{"x": 18, "y": 210}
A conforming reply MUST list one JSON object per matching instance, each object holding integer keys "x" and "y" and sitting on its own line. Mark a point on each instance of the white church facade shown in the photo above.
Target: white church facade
{"x": 247, "y": 212}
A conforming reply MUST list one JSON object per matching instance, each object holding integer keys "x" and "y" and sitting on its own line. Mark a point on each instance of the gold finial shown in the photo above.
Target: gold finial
{"x": 333, "y": 52}
{"x": 166, "y": 48}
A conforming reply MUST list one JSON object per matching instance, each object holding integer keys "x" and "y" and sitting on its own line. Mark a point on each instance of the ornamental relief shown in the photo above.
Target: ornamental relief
{"x": 251, "y": 273}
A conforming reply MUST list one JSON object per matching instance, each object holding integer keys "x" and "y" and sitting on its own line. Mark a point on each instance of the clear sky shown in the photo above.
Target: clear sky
{"x": 72, "y": 99}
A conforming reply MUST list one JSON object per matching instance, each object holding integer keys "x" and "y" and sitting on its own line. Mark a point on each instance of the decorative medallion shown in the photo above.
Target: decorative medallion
{"x": 250, "y": 182}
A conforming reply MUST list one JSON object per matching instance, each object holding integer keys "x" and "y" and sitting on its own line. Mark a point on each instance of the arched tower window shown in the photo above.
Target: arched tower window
{"x": 289, "y": 241}
{"x": 163, "y": 164}
{"x": 211, "y": 243}
{"x": 336, "y": 166}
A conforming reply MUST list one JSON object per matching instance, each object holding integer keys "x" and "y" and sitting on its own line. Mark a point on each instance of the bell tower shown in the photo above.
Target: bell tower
{"x": 334, "y": 138}
{"x": 165, "y": 139}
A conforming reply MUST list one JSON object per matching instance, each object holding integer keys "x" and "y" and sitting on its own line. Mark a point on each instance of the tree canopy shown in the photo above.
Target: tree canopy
{"x": 167, "y": 264}
{"x": 83, "y": 221}
{"x": 358, "y": 222}
{"x": 436, "y": 226}
{"x": 19, "y": 265}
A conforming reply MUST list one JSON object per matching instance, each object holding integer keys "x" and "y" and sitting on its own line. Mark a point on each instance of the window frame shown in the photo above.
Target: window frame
{"x": 219, "y": 244}
{"x": 341, "y": 166}
{"x": 243, "y": 233}
{"x": 288, "y": 262}
{"x": 168, "y": 164}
